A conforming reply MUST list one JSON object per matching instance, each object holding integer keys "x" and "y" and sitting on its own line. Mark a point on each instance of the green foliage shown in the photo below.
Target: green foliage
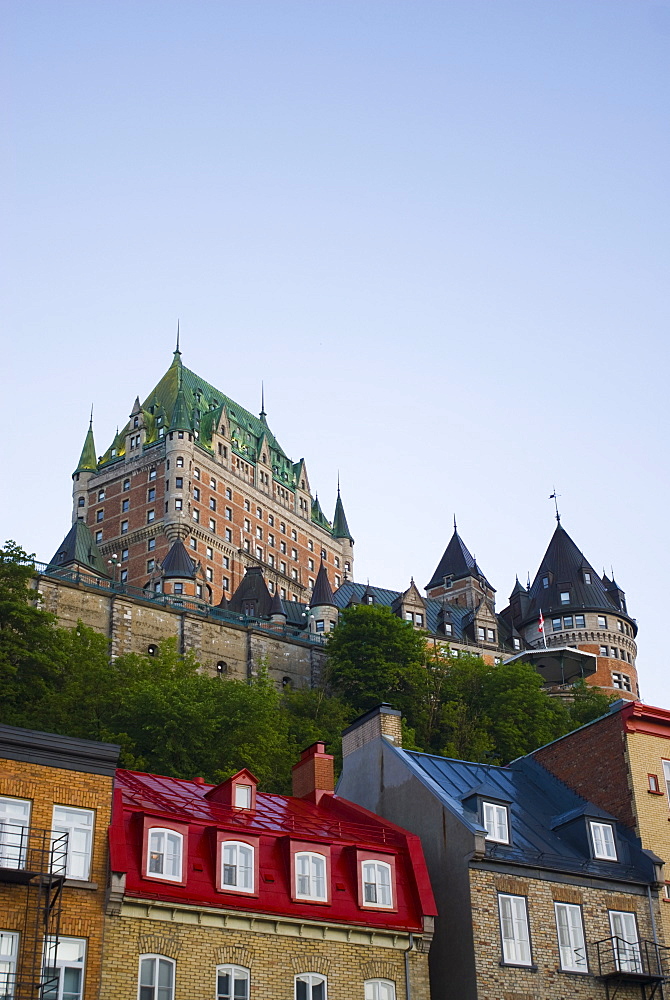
{"x": 374, "y": 656}
{"x": 589, "y": 703}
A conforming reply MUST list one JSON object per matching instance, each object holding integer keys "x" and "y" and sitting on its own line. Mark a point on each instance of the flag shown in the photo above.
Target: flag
{"x": 540, "y": 624}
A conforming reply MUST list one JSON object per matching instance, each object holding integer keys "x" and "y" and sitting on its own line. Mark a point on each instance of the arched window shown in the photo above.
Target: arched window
{"x": 377, "y": 883}
{"x": 310, "y": 876}
{"x": 237, "y": 866}
{"x": 164, "y": 857}
{"x": 156, "y": 978}
{"x": 232, "y": 982}
{"x": 310, "y": 986}
{"x": 379, "y": 989}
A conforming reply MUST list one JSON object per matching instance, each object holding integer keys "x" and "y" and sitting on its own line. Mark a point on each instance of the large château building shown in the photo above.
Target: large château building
{"x": 196, "y": 510}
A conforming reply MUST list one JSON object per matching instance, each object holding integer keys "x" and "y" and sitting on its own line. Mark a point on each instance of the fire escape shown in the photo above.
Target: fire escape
{"x": 624, "y": 964}
{"x": 32, "y": 873}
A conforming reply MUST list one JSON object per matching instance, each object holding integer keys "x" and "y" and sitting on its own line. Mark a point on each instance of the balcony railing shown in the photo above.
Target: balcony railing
{"x": 26, "y": 852}
{"x": 632, "y": 961}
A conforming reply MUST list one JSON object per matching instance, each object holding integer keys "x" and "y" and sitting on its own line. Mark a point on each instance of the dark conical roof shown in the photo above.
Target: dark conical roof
{"x": 340, "y": 526}
{"x": 180, "y": 417}
{"x": 565, "y": 570}
{"x": 252, "y": 588}
{"x": 277, "y": 607}
{"x": 178, "y": 563}
{"x": 322, "y": 593}
{"x": 456, "y": 562}
{"x": 87, "y": 460}
{"x": 79, "y": 549}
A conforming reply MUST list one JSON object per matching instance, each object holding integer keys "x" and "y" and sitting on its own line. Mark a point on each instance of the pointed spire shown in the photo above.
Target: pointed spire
{"x": 263, "y": 414}
{"x": 322, "y": 594}
{"x": 455, "y": 525}
{"x": 277, "y": 608}
{"x": 180, "y": 418}
{"x": 176, "y": 360}
{"x": 87, "y": 460}
{"x": 340, "y": 526}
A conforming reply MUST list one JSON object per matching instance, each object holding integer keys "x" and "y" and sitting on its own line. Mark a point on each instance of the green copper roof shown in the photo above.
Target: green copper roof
{"x": 340, "y": 526}
{"x": 318, "y": 517}
{"x": 78, "y": 548}
{"x": 88, "y": 461}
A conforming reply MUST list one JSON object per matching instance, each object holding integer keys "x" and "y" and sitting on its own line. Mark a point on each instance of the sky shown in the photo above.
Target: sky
{"x": 436, "y": 231}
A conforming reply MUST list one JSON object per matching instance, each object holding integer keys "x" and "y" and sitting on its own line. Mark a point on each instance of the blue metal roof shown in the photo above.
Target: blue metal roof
{"x": 540, "y": 807}
{"x": 458, "y": 615}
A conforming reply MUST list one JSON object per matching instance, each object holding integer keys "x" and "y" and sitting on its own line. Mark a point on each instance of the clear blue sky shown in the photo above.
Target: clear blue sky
{"x": 438, "y": 231}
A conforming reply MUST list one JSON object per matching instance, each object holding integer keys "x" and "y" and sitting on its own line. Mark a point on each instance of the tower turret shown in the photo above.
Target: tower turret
{"x": 323, "y": 613}
{"x": 341, "y": 530}
{"x": 81, "y": 477}
{"x": 458, "y": 579}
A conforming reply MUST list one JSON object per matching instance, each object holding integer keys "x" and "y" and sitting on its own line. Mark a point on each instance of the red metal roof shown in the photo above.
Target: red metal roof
{"x": 277, "y": 821}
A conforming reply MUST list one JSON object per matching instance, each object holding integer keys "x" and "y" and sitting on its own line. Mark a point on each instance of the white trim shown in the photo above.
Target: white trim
{"x": 311, "y": 979}
{"x": 158, "y": 992}
{"x": 378, "y": 883}
{"x": 236, "y": 887}
{"x": 571, "y": 943}
{"x": 233, "y": 969}
{"x": 163, "y": 854}
{"x": 312, "y": 877}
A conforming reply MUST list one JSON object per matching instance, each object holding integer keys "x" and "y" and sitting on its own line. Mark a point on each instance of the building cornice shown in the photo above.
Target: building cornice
{"x": 647, "y": 719}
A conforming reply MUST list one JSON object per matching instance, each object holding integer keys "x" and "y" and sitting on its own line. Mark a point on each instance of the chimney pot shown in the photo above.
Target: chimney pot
{"x": 314, "y": 774}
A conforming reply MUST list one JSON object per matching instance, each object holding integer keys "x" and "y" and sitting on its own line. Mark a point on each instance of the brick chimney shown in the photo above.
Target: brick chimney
{"x": 314, "y": 774}
{"x": 380, "y": 721}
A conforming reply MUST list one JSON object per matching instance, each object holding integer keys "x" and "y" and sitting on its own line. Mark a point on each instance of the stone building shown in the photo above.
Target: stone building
{"x": 541, "y": 894}
{"x": 228, "y": 891}
{"x": 55, "y": 809}
{"x": 622, "y": 763}
{"x": 194, "y": 490}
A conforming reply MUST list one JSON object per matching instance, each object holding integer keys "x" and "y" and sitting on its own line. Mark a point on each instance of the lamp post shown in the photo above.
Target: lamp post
{"x": 114, "y": 563}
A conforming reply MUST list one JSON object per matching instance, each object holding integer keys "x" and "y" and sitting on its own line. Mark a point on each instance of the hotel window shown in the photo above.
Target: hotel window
{"x": 99, "y": 515}
{"x": 557, "y": 624}
{"x": 603, "y": 650}
{"x": 9, "y": 948}
{"x": 125, "y": 504}
{"x": 409, "y": 616}
{"x": 151, "y": 516}
{"x": 64, "y": 968}
{"x": 310, "y": 564}
{"x": 282, "y": 593}
{"x": 259, "y": 532}
{"x": 491, "y": 635}
{"x": 379, "y": 989}
{"x": 152, "y": 472}
{"x": 212, "y": 524}
{"x": 178, "y": 588}
{"x": 196, "y": 515}
{"x": 247, "y": 524}
{"x": 282, "y": 528}
{"x": 282, "y": 566}
{"x": 178, "y": 505}
{"x": 621, "y": 681}
{"x": 247, "y": 505}
{"x": 294, "y": 535}
{"x": 226, "y": 562}
{"x": 481, "y": 633}
{"x": 151, "y": 545}
{"x": 150, "y": 565}
{"x": 229, "y": 514}
{"x": 180, "y": 464}
{"x": 229, "y": 494}
{"x": 126, "y": 485}
{"x": 198, "y": 590}
{"x": 545, "y": 582}
{"x": 271, "y": 539}
{"x": 151, "y": 494}
{"x": 580, "y": 621}
{"x": 338, "y": 581}
{"x": 271, "y": 560}
{"x": 226, "y": 583}
{"x": 124, "y": 555}
{"x": 654, "y": 785}
{"x": 271, "y": 520}
{"x": 124, "y": 576}
{"x": 228, "y": 535}
{"x": 571, "y": 944}
{"x": 156, "y": 978}
{"x": 164, "y": 856}
{"x": 209, "y": 573}
{"x": 259, "y": 513}
{"x": 246, "y": 545}
{"x": 514, "y": 930}
{"x": 232, "y": 982}
{"x": 14, "y": 821}
{"x": 310, "y": 876}
{"x": 602, "y": 838}
{"x": 101, "y": 495}
{"x": 310, "y": 545}
{"x": 337, "y": 562}
{"x": 98, "y": 537}
{"x": 196, "y": 473}
{"x": 602, "y": 621}
{"x": 212, "y": 483}
{"x": 496, "y": 821}
{"x": 587, "y": 577}
{"x": 196, "y": 493}
{"x": 78, "y": 824}
{"x": 376, "y": 877}
{"x": 210, "y": 552}
{"x": 81, "y": 502}
{"x": 212, "y": 503}
{"x": 237, "y": 866}
{"x": 565, "y": 597}
{"x": 310, "y": 986}
{"x": 259, "y": 552}
{"x": 194, "y": 544}
{"x": 179, "y": 482}
{"x": 282, "y": 547}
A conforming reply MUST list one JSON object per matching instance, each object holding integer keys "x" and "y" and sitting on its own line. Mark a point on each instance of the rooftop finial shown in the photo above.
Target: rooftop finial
{"x": 263, "y": 413}
{"x": 91, "y": 420}
{"x": 455, "y": 527}
{"x": 528, "y": 581}
{"x": 554, "y": 496}
{"x": 176, "y": 350}
{"x": 338, "y": 482}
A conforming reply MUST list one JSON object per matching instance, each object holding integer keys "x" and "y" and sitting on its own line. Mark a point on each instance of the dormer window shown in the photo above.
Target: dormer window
{"x": 565, "y": 597}
{"x": 164, "y": 854}
{"x": 545, "y": 582}
{"x": 310, "y": 876}
{"x": 243, "y": 796}
{"x": 237, "y": 866}
{"x": 495, "y": 819}
{"x": 602, "y": 838}
{"x": 587, "y": 577}
{"x": 516, "y": 643}
{"x": 377, "y": 878}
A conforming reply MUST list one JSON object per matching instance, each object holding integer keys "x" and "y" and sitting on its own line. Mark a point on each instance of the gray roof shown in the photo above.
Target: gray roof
{"x": 541, "y": 810}
{"x": 178, "y": 563}
{"x": 78, "y": 548}
{"x": 322, "y": 595}
{"x": 457, "y": 562}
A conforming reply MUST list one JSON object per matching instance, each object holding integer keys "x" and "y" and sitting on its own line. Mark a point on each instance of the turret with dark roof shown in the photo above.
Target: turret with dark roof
{"x": 252, "y": 598}
{"x": 79, "y": 551}
{"x": 340, "y": 526}
{"x": 87, "y": 460}
{"x": 322, "y": 595}
{"x": 178, "y": 563}
{"x": 457, "y": 563}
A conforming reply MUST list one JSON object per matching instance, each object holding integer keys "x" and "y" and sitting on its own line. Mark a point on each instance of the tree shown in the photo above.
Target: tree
{"x": 589, "y": 703}
{"x": 374, "y": 656}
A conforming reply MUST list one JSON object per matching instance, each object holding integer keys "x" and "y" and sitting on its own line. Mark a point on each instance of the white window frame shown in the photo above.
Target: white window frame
{"x": 311, "y": 979}
{"x": 666, "y": 775}
{"x": 13, "y": 839}
{"x": 74, "y": 829}
{"x": 571, "y": 941}
{"x": 240, "y": 847}
{"x": 514, "y": 930}
{"x": 377, "y": 869}
{"x": 379, "y": 989}
{"x": 601, "y": 842}
{"x": 238, "y": 973}
{"x": 167, "y": 833}
{"x": 627, "y": 944}
{"x": 158, "y": 992}
{"x": 495, "y": 817}
{"x": 61, "y": 965}
{"x": 313, "y": 878}
{"x": 9, "y": 951}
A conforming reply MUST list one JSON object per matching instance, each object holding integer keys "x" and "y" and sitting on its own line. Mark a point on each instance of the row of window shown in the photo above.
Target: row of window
{"x": 63, "y": 966}
{"x": 579, "y": 621}
{"x": 495, "y": 817}
{"x": 616, "y": 654}
{"x": 238, "y": 866}
{"x": 573, "y": 956}
{"x": 76, "y": 823}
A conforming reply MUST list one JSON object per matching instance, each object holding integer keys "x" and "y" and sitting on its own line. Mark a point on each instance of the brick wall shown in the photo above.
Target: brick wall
{"x": 592, "y": 762}
{"x": 83, "y": 907}
{"x": 546, "y": 981}
{"x": 274, "y": 953}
